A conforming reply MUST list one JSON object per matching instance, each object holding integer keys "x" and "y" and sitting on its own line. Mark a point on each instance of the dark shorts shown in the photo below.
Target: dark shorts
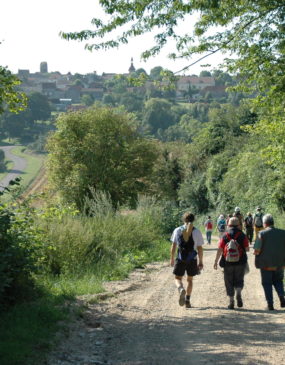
{"x": 180, "y": 267}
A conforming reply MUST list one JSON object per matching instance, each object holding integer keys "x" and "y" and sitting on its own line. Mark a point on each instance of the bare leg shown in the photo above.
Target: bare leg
{"x": 189, "y": 285}
{"x": 178, "y": 282}
{"x": 181, "y": 290}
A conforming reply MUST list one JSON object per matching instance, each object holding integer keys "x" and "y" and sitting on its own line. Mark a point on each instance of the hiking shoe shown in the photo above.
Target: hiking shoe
{"x": 187, "y": 304}
{"x": 282, "y": 302}
{"x": 239, "y": 302}
{"x": 231, "y": 305}
{"x": 182, "y": 294}
{"x": 270, "y": 307}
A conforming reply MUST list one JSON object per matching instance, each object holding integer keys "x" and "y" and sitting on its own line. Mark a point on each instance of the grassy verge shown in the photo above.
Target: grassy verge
{"x": 85, "y": 251}
{"x": 27, "y": 328}
{"x": 34, "y": 164}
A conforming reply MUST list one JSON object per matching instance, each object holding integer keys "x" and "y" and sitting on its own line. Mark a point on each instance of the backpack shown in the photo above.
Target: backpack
{"x": 221, "y": 225}
{"x": 232, "y": 252}
{"x": 258, "y": 220}
{"x": 186, "y": 250}
{"x": 209, "y": 225}
{"x": 248, "y": 221}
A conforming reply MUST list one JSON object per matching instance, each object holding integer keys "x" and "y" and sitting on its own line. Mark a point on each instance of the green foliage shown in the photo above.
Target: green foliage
{"x": 25, "y": 124}
{"x": 76, "y": 243}
{"x": 2, "y": 161}
{"x": 157, "y": 114}
{"x": 10, "y": 98}
{"x": 99, "y": 148}
{"x": 17, "y": 252}
{"x": 27, "y": 329}
{"x": 250, "y": 32}
{"x": 167, "y": 177}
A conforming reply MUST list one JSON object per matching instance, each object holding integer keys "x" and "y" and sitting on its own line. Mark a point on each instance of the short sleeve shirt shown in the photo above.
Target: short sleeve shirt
{"x": 196, "y": 234}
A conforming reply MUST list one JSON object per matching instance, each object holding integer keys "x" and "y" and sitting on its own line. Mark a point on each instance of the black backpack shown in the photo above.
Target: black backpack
{"x": 248, "y": 221}
{"x": 186, "y": 250}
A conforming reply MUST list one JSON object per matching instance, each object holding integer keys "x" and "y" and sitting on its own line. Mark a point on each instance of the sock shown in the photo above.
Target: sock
{"x": 231, "y": 299}
{"x": 188, "y": 298}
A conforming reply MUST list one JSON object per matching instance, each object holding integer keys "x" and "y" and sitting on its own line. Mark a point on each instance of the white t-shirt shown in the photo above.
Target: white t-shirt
{"x": 196, "y": 234}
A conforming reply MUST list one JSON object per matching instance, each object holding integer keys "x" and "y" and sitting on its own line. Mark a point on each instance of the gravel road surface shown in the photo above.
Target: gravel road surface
{"x": 142, "y": 324}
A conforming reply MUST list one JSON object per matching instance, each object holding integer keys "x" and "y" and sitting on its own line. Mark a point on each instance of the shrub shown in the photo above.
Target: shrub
{"x": 17, "y": 253}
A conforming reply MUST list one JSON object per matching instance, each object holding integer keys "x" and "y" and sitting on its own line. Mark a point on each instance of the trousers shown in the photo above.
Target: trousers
{"x": 234, "y": 278}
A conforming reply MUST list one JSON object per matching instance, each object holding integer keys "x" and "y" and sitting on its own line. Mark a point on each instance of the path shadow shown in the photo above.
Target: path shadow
{"x": 216, "y": 338}
{"x": 20, "y": 172}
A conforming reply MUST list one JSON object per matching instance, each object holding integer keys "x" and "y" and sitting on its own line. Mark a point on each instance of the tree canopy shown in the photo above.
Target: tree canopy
{"x": 250, "y": 32}
{"x": 100, "y": 149}
{"x": 10, "y": 98}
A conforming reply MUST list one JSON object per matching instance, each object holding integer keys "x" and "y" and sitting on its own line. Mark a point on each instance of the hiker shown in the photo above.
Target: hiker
{"x": 189, "y": 241}
{"x": 221, "y": 225}
{"x": 233, "y": 258}
{"x": 228, "y": 218}
{"x": 209, "y": 228}
{"x": 269, "y": 249}
{"x": 248, "y": 222}
{"x": 239, "y": 216}
{"x": 257, "y": 222}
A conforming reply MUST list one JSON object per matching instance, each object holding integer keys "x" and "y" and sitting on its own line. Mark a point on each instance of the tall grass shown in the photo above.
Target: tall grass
{"x": 78, "y": 253}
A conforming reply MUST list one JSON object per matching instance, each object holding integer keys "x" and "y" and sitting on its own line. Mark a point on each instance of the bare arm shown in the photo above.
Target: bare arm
{"x": 200, "y": 256}
{"x": 218, "y": 255}
{"x": 172, "y": 253}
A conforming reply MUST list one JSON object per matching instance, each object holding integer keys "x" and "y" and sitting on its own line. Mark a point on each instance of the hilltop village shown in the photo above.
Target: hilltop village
{"x": 65, "y": 91}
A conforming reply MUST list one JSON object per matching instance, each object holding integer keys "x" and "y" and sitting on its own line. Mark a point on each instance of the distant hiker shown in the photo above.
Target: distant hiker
{"x": 228, "y": 218}
{"x": 189, "y": 241}
{"x": 269, "y": 249}
{"x": 209, "y": 228}
{"x": 233, "y": 258}
{"x": 239, "y": 216}
{"x": 257, "y": 222}
{"x": 248, "y": 222}
{"x": 221, "y": 225}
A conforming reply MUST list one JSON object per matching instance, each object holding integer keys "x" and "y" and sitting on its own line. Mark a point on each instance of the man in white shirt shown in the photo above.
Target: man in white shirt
{"x": 188, "y": 241}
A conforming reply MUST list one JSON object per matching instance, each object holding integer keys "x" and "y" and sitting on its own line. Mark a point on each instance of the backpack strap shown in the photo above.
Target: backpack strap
{"x": 229, "y": 237}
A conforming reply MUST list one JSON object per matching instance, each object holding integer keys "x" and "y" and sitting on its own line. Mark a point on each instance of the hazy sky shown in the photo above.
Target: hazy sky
{"x": 29, "y": 32}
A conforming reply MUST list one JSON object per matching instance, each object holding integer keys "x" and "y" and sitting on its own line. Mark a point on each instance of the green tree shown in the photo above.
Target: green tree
{"x": 2, "y": 161}
{"x": 39, "y": 107}
{"x": 251, "y": 32}
{"x": 99, "y": 149}
{"x": 156, "y": 73}
{"x": 87, "y": 100}
{"x": 10, "y": 98}
{"x": 167, "y": 177}
{"x": 205, "y": 73}
{"x": 157, "y": 114}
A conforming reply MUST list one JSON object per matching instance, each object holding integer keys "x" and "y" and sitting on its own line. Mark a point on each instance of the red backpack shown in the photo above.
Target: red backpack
{"x": 232, "y": 251}
{"x": 209, "y": 225}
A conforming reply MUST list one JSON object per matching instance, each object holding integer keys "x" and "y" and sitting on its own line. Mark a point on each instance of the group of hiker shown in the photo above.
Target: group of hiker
{"x": 235, "y": 236}
{"x": 252, "y": 224}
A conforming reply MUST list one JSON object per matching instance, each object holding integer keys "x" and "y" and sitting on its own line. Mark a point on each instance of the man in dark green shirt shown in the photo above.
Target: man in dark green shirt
{"x": 269, "y": 249}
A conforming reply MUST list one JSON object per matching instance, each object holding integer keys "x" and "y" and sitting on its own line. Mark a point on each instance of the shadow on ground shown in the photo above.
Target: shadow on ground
{"x": 226, "y": 337}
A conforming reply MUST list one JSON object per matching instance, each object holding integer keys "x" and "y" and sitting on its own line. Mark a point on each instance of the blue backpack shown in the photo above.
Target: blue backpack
{"x": 221, "y": 225}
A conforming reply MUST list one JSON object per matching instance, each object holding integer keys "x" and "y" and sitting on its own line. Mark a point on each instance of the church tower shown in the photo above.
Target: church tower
{"x": 43, "y": 68}
{"x": 132, "y": 68}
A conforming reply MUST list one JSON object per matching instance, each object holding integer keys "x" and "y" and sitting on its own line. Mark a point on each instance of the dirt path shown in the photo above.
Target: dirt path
{"x": 144, "y": 325}
{"x": 18, "y": 169}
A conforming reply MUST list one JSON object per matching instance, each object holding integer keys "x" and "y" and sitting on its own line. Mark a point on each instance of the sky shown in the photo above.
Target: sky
{"x": 29, "y": 35}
